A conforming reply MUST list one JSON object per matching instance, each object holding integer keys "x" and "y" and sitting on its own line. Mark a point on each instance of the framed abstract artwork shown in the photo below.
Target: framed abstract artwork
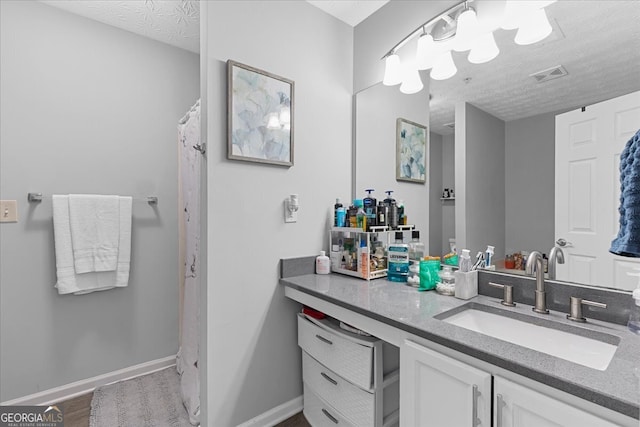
{"x": 411, "y": 151}
{"x": 259, "y": 116}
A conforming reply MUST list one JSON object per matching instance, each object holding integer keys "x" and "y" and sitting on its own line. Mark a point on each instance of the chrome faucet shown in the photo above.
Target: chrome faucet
{"x": 534, "y": 265}
{"x": 555, "y": 256}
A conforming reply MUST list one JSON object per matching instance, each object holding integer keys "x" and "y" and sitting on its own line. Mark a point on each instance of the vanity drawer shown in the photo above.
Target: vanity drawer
{"x": 355, "y": 404}
{"x": 319, "y": 414}
{"x": 349, "y": 357}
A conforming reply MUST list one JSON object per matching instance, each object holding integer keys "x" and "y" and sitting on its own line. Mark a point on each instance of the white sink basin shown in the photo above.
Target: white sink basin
{"x": 565, "y": 345}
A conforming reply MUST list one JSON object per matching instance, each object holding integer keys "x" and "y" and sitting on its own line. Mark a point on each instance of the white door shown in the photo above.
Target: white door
{"x": 518, "y": 406}
{"x": 588, "y": 147}
{"x": 437, "y": 391}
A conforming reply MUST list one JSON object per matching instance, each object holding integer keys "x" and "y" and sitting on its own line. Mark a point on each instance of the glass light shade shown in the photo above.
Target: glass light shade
{"x": 513, "y": 13}
{"x": 392, "y": 71}
{"x": 466, "y": 32}
{"x": 426, "y": 53}
{"x": 484, "y": 50}
{"x": 444, "y": 67}
{"x": 534, "y": 27}
{"x": 411, "y": 82}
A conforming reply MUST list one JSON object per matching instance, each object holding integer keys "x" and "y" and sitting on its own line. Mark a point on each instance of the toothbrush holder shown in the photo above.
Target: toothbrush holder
{"x": 466, "y": 284}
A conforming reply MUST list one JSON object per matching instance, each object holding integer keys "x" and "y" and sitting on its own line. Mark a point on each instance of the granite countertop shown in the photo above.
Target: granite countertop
{"x": 401, "y": 306}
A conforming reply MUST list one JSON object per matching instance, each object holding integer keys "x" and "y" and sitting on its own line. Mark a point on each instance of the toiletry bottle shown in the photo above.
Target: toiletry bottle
{"x": 392, "y": 215}
{"x": 382, "y": 214}
{"x": 335, "y": 212}
{"x": 465, "y": 261}
{"x": 323, "y": 264}
{"x": 402, "y": 219}
{"x": 361, "y": 217}
{"x": 398, "y": 265}
{"x": 363, "y": 259}
{"x": 634, "y": 315}
{"x": 416, "y": 247}
{"x": 341, "y": 217}
{"x": 352, "y": 214}
{"x": 488, "y": 256}
{"x": 370, "y": 208}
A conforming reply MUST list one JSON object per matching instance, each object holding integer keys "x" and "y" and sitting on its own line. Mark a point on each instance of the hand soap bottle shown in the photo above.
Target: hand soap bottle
{"x": 634, "y": 316}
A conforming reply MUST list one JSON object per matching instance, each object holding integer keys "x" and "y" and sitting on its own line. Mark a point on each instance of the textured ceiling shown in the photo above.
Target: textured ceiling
{"x": 175, "y": 22}
{"x": 597, "y": 42}
{"x": 351, "y": 12}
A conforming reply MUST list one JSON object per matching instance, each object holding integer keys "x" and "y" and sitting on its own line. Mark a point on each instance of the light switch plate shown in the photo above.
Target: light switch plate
{"x": 8, "y": 211}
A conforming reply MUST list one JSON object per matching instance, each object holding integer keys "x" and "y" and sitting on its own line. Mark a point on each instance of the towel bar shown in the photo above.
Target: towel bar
{"x": 37, "y": 197}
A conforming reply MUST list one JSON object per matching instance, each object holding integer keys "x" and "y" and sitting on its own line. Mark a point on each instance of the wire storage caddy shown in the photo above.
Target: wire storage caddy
{"x": 359, "y": 253}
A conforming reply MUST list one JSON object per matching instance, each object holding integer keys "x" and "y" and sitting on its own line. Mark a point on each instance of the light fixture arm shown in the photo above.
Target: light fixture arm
{"x": 422, "y": 29}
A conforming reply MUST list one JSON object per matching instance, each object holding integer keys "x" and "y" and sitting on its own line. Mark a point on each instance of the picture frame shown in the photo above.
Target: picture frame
{"x": 411, "y": 151}
{"x": 260, "y": 115}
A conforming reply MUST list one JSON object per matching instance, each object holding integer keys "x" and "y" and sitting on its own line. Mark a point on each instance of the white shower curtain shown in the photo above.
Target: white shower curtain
{"x": 189, "y": 199}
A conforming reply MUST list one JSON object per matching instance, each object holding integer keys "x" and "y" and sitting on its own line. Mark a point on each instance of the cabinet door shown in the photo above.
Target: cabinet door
{"x": 518, "y": 406}
{"x": 437, "y": 391}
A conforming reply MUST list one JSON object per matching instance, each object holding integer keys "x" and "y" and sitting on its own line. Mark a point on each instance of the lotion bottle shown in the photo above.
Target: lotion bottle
{"x": 323, "y": 263}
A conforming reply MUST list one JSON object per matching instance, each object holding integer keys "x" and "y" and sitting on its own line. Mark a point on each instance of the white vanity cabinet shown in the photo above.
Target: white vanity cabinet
{"x": 518, "y": 406}
{"x": 349, "y": 379}
{"x": 437, "y": 391}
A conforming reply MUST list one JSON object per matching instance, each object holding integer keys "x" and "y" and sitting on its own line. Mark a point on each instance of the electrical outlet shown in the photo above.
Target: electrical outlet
{"x": 8, "y": 211}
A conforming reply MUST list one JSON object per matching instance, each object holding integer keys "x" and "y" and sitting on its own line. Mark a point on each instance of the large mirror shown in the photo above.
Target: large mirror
{"x": 597, "y": 44}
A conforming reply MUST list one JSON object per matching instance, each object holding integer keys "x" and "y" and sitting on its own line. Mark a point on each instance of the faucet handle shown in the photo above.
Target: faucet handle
{"x": 576, "y": 308}
{"x": 508, "y": 294}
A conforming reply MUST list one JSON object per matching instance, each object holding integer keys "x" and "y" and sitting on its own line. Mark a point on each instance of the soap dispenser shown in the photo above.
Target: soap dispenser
{"x": 634, "y": 316}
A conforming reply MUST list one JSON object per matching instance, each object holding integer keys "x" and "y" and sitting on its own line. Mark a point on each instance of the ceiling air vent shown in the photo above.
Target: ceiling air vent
{"x": 549, "y": 74}
{"x": 451, "y": 125}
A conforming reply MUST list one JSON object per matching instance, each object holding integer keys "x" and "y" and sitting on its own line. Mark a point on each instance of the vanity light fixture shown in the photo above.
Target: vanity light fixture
{"x": 533, "y": 28}
{"x": 461, "y": 28}
{"x": 426, "y": 53}
{"x": 411, "y": 82}
{"x": 444, "y": 67}
{"x": 467, "y": 30}
{"x": 484, "y": 50}
{"x": 393, "y": 70}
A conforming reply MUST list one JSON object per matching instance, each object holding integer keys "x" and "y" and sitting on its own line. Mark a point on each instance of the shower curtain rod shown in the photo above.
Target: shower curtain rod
{"x": 37, "y": 197}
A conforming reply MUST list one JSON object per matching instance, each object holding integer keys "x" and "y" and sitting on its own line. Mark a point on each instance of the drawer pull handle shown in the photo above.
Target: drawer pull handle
{"x": 323, "y": 339}
{"x": 331, "y": 417}
{"x": 328, "y": 378}
{"x": 475, "y": 421}
{"x": 499, "y": 404}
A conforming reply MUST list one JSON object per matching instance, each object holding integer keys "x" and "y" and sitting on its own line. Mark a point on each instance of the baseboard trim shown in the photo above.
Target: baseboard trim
{"x": 78, "y": 388}
{"x": 277, "y": 414}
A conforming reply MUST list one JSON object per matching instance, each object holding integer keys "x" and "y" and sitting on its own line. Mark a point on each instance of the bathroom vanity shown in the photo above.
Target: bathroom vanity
{"x": 451, "y": 375}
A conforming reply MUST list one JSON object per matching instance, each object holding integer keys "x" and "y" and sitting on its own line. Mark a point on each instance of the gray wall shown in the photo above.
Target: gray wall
{"x": 480, "y": 188}
{"x": 377, "y": 109}
{"x": 86, "y": 108}
{"x": 448, "y": 181}
{"x": 530, "y": 183}
{"x": 436, "y": 205}
{"x": 253, "y": 360}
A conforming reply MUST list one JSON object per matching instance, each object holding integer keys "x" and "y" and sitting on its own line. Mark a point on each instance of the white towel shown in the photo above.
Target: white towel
{"x": 68, "y": 280}
{"x": 95, "y": 231}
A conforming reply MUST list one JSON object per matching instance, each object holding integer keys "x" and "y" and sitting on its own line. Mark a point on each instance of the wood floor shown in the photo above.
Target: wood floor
{"x": 77, "y": 410}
